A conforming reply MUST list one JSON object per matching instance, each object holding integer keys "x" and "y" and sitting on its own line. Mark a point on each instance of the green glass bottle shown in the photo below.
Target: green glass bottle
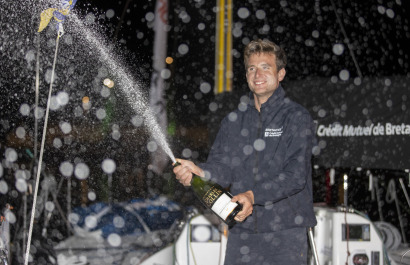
{"x": 216, "y": 198}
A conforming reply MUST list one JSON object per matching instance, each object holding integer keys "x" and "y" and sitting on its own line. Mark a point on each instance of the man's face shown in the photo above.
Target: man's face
{"x": 262, "y": 75}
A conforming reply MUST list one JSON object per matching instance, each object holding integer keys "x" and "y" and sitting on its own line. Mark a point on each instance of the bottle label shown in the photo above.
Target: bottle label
{"x": 211, "y": 195}
{"x": 223, "y": 206}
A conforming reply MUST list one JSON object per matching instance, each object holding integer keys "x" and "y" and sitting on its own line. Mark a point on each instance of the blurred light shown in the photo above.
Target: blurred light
{"x": 86, "y": 103}
{"x": 169, "y": 60}
{"x": 345, "y": 184}
{"x": 226, "y": 230}
{"x": 108, "y": 83}
{"x": 201, "y": 233}
{"x": 171, "y": 129}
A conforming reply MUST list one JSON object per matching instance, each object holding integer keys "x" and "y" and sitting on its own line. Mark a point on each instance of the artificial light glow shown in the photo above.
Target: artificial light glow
{"x": 201, "y": 233}
{"x": 169, "y": 60}
{"x": 108, "y": 83}
{"x": 86, "y": 100}
{"x": 226, "y": 231}
{"x": 86, "y": 103}
{"x": 345, "y": 185}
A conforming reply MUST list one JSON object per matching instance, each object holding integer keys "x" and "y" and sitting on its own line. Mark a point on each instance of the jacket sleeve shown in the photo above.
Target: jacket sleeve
{"x": 295, "y": 172}
{"x": 217, "y": 165}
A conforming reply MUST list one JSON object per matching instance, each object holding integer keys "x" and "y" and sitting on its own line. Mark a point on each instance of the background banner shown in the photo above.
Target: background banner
{"x": 359, "y": 123}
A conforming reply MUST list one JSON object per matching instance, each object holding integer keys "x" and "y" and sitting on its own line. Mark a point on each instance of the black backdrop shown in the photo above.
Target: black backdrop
{"x": 359, "y": 123}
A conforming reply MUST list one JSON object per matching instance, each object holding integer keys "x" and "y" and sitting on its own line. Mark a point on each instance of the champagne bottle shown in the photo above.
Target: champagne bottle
{"x": 214, "y": 197}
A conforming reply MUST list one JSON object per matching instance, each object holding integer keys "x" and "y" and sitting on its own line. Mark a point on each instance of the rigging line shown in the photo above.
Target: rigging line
{"x": 402, "y": 257}
{"x": 117, "y": 29}
{"x": 35, "y": 140}
{"x": 33, "y": 210}
{"x": 36, "y": 99}
{"x": 391, "y": 195}
{"x": 405, "y": 191}
{"x": 346, "y": 40}
{"x": 36, "y": 111}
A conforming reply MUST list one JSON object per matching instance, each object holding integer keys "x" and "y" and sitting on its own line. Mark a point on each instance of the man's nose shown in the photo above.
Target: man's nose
{"x": 257, "y": 72}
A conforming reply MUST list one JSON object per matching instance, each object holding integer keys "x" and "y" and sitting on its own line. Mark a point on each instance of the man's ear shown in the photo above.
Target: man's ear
{"x": 281, "y": 74}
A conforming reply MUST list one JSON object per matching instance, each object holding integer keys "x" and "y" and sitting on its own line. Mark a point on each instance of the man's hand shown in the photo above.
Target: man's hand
{"x": 184, "y": 172}
{"x": 247, "y": 201}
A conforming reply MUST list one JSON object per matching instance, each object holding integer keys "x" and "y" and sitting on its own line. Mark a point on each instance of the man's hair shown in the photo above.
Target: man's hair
{"x": 265, "y": 46}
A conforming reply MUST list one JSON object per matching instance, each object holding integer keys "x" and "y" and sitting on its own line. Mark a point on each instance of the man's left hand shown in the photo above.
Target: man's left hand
{"x": 247, "y": 201}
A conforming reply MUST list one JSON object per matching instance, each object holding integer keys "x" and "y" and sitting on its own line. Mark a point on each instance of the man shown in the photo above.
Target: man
{"x": 263, "y": 153}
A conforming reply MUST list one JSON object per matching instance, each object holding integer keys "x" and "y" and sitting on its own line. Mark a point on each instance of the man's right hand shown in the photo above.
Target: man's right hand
{"x": 184, "y": 171}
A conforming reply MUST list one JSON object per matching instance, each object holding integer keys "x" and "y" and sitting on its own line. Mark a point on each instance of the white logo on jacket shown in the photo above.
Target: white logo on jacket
{"x": 273, "y": 132}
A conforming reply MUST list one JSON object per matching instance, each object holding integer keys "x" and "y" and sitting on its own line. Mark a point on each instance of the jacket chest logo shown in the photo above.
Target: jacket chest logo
{"x": 273, "y": 132}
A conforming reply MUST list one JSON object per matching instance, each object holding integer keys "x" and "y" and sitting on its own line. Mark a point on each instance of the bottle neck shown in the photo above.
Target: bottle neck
{"x": 195, "y": 177}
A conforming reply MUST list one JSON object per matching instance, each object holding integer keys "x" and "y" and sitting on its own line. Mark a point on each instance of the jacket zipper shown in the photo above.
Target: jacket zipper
{"x": 256, "y": 167}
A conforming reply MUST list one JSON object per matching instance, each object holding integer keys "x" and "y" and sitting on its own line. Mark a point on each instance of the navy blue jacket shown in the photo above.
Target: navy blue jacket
{"x": 268, "y": 152}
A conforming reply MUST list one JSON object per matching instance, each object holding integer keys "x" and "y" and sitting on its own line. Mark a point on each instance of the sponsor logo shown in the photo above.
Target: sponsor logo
{"x": 273, "y": 132}
{"x": 379, "y": 129}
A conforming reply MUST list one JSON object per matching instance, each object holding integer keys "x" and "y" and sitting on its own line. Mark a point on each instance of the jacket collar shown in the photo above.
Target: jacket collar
{"x": 278, "y": 95}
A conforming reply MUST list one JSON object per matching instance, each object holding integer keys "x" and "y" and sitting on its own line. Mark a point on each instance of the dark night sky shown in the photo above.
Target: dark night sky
{"x": 378, "y": 33}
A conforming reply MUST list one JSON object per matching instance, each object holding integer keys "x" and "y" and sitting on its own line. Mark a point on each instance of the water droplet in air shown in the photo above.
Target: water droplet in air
{"x": 3, "y": 187}
{"x": 21, "y": 185}
{"x": 152, "y": 146}
{"x": 108, "y": 166}
{"x": 73, "y": 218}
{"x": 338, "y": 49}
{"x": 65, "y": 127}
{"x": 91, "y": 221}
{"x": 49, "y": 206}
{"x": 66, "y": 169}
{"x": 183, "y": 49}
{"x": 101, "y": 114}
{"x": 260, "y": 14}
{"x": 259, "y": 144}
{"x": 205, "y": 87}
{"x": 110, "y": 13}
{"x": 62, "y": 98}
{"x": 187, "y": 153}
{"x": 39, "y": 112}
{"x": 344, "y": 75}
{"x": 92, "y": 196}
{"x": 81, "y": 171}
{"x": 119, "y": 222}
{"x": 57, "y": 143}
{"x": 24, "y": 109}
{"x": 11, "y": 155}
{"x": 233, "y": 116}
{"x": 243, "y": 12}
{"x": 21, "y": 132}
{"x": 114, "y": 240}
